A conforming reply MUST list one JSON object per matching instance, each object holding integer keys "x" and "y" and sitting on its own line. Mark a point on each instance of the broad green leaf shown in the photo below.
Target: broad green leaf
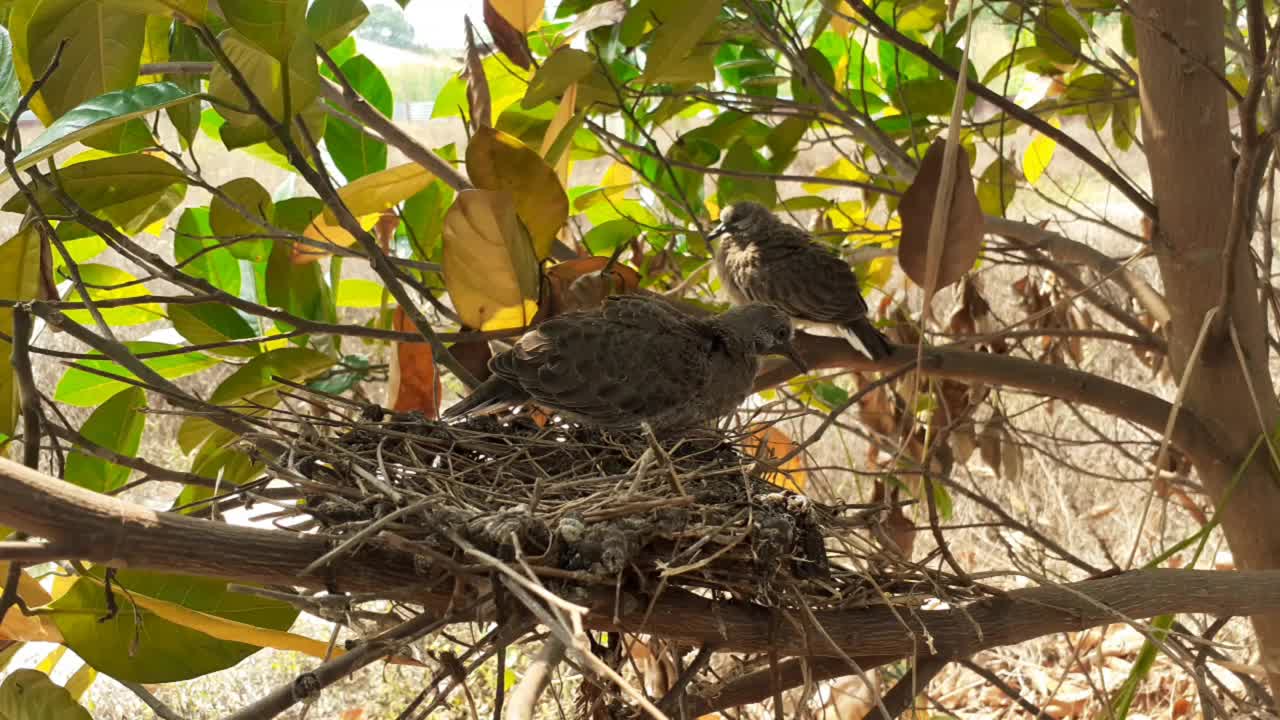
{"x": 565, "y": 67}
{"x": 360, "y": 293}
{"x": 490, "y": 268}
{"x": 207, "y": 323}
{"x": 507, "y": 84}
{"x": 927, "y": 96}
{"x": 184, "y": 45}
{"x": 1124, "y": 123}
{"x": 20, "y": 258}
{"x": 180, "y": 9}
{"x": 246, "y": 214}
{"x": 264, "y": 75}
{"x": 816, "y": 64}
{"x": 299, "y": 288}
{"x": 1059, "y": 35}
{"x": 105, "y": 282}
{"x": 1039, "y": 153}
{"x": 497, "y": 161}
{"x": 355, "y": 153}
{"x": 681, "y": 27}
{"x": 366, "y": 198}
{"x": 83, "y": 389}
{"x": 116, "y": 425}
{"x": 199, "y": 254}
{"x": 996, "y": 187}
{"x": 81, "y": 250}
{"x": 522, "y": 14}
{"x": 130, "y": 191}
{"x": 736, "y": 189}
{"x": 276, "y": 26}
{"x": 342, "y": 378}
{"x": 31, "y": 695}
{"x": 423, "y": 223}
{"x": 102, "y": 54}
{"x": 137, "y": 645}
{"x": 331, "y": 21}
{"x": 10, "y": 90}
{"x": 253, "y": 386}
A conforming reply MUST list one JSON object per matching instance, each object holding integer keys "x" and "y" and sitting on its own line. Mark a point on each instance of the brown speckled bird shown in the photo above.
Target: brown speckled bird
{"x": 762, "y": 259}
{"x": 636, "y": 359}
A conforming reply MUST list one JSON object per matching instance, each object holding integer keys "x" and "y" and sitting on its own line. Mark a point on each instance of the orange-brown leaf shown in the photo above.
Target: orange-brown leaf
{"x": 583, "y": 283}
{"x": 414, "y": 383}
{"x": 792, "y": 474}
{"x": 962, "y": 238}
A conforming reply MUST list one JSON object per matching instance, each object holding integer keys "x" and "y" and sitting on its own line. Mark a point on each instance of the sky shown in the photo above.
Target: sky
{"x": 438, "y": 23}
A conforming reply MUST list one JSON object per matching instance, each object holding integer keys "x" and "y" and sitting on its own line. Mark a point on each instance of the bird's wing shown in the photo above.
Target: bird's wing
{"x": 607, "y": 371}
{"x": 645, "y": 312}
{"x": 809, "y": 283}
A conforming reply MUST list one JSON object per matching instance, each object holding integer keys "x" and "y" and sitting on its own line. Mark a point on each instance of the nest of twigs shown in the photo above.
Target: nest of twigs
{"x": 581, "y": 506}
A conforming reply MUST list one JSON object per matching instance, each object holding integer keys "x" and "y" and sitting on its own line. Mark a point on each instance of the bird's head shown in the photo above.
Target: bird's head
{"x": 766, "y": 329}
{"x": 741, "y": 219}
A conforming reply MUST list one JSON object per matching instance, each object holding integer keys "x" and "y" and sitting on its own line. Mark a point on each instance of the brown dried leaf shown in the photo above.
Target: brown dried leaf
{"x": 583, "y": 283}
{"x": 989, "y": 441}
{"x": 964, "y": 224}
{"x": 477, "y": 83}
{"x": 507, "y": 38}
{"x": 414, "y": 382}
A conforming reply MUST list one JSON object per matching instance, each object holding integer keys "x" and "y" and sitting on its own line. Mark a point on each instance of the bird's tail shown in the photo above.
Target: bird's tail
{"x": 864, "y": 336}
{"x": 493, "y": 395}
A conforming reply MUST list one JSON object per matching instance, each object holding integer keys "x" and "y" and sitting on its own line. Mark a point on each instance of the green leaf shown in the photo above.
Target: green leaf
{"x": 254, "y": 384}
{"x": 355, "y": 153}
{"x": 1124, "y": 123}
{"x": 129, "y": 191}
{"x": 207, "y": 323}
{"x": 565, "y": 67}
{"x": 423, "y": 223}
{"x": 331, "y": 21}
{"x": 735, "y": 189}
{"x": 299, "y": 289}
{"x": 10, "y": 90}
{"x": 103, "y": 113}
{"x": 105, "y": 282}
{"x": 927, "y": 96}
{"x": 273, "y": 25}
{"x": 227, "y": 221}
{"x": 180, "y": 9}
{"x": 116, "y": 425}
{"x": 996, "y": 187}
{"x": 1038, "y": 154}
{"x": 264, "y": 75}
{"x": 31, "y": 695}
{"x": 817, "y": 64}
{"x": 360, "y": 293}
{"x": 200, "y": 255}
{"x": 84, "y": 389}
{"x": 138, "y": 646}
{"x": 184, "y": 45}
{"x": 353, "y": 369}
{"x": 102, "y": 54}
{"x": 1059, "y": 35}
{"x": 681, "y": 27}
{"x": 20, "y": 258}
{"x": 507, "y": 84}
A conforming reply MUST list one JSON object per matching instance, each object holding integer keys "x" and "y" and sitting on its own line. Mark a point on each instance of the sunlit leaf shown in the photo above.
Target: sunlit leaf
{"x": 130, "y": 191}
{"x": 84, "y": 389}
{"x": 361, "y": 293}
{"x": 265, "y": 77}
{"x": 331, "y": 21}
{"x": 200, "y": 254}
{"x": 497, "y": 161}
{"x": 273, "y": 25}
{"x": 681, "y": 26}
{"x": 355, "y": 153}
{"x": 208, "y": 323}
{"x": 996, "y": 187}
{"x": 367, "y": 199}
{"x": 166, "y": 651}
{"x": 245, "y": 215}
{"x": 490, "y": 269}
{"x": 1039, "y": 153}
{"x": 20, "y": 627}
{"x": 10, "y": 90}
{"x": 565, "y": 67}
{"x": 31, "y": 695}
{"x": 116, "y": 425}
{"x": 522, "y": 14}
{"x": 106, "y": 282}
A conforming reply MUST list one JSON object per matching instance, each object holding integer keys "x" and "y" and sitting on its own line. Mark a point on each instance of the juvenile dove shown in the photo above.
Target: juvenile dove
{"x": 636, "y": 359}
{"x": 762, "y": 259}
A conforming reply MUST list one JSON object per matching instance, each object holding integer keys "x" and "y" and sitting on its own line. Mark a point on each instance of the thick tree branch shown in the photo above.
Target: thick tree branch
{"x": 1190, "y": 436}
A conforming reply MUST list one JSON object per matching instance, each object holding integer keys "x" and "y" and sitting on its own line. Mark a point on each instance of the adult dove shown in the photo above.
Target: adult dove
{"x": 762, "y": 259}
{"x": 636, "y": 359}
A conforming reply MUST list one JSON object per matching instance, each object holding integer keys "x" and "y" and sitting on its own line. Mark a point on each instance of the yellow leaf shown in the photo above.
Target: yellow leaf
{"x": 840, "y": 19}
{"x": 51, "y": 660}
{"x": 79, "y": 683}
{"x": 367, "y": 198}
{"x": 522, "y": 14}
{"x": 24, "y": 628}
{"x": 498, "y": 161}
{"x": 558, "y": 125}
{"x": 490, "y": 270}
{"x": 1039, "y": 153}
{"x": 792, "y": 475}
{"x": 20, "y": 280}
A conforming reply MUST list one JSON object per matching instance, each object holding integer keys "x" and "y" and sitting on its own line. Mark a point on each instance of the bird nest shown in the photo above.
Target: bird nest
{"x": 585, "y": 507}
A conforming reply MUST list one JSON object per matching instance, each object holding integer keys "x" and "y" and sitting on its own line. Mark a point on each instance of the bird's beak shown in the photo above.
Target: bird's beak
{"x": 716, "y": 231}
{"x": 794, "y": 356}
